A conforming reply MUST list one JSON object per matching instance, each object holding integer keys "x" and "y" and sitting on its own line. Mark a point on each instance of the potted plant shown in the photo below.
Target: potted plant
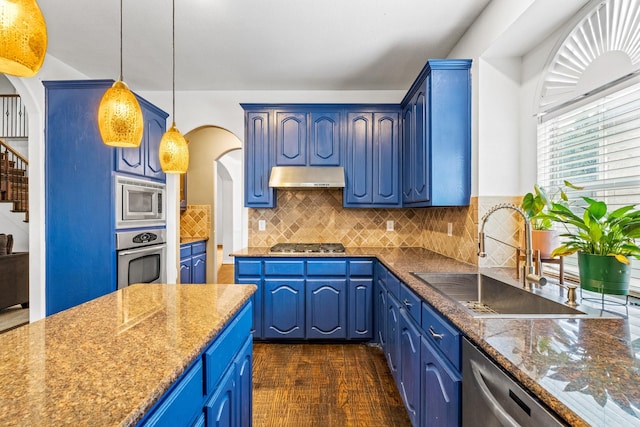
{"x": 536, "y": 205}
{"x": 604, "y": 241}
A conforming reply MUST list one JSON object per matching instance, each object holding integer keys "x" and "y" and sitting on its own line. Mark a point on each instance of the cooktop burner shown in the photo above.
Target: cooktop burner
{"x": 300, "y": 248}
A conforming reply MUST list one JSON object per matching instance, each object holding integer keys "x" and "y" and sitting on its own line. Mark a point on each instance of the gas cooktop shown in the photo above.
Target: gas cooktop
{"x": 300, "y": 248}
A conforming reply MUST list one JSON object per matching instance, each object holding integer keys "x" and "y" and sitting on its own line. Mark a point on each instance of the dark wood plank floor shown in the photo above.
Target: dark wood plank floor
{"x": 324, "y": 385}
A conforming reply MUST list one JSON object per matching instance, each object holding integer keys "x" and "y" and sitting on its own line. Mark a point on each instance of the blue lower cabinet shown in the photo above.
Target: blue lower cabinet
{"x": 360, "y": 309}
{"x": 326, "y": 308}
{"x": 244, "y": 383}
{"x": 441, "y": 385}
{"x": 257, "y": 300}
{"x": 221, "y": 408}
{"x": 193, "y": 262}
{"x": 284, "y": 307}
{"x": 381, "y": 313}
{"x": 410, "y": 366}
{"x": 392, "y": 349}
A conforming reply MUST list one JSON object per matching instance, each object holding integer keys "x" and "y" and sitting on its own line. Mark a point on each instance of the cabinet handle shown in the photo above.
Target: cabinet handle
{"x": 434, "y": 334}
{"x": 407, "y": 303}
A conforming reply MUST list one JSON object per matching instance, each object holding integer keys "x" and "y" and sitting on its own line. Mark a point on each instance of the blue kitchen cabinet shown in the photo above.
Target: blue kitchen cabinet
{"x": 257, "y": 161}
{"x": 144, "y": 160}
{"x": 249, "y": 271}
{"x": 392, "y": 351}
{"x": 217, "y": 384}
{"x": 372, "y": 166}
{"x": 284, "y": 308}
{"x": 193, "y": 262}
{"x": 80, "y": 262}
{"x": 291, "y": 138}
{"x": 360, "y": 308}
{"x": 326, "y": 308}
{"x": 381, "y": 305}
{"x": 441, "y": 385}
{"x": 324, "y": 138}
{"x": 437, "y": 136}
{"x": 409, "y": 369}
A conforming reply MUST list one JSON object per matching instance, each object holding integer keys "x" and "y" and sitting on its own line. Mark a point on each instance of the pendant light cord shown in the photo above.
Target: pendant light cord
{"x": 173, "y": 43}
{"x": 121, "y": 79}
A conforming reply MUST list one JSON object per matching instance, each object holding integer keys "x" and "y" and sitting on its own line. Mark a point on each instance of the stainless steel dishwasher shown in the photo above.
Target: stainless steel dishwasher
{"x": 491, "y": 398}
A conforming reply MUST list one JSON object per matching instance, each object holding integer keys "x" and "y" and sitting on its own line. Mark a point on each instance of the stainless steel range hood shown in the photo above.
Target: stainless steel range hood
{"x": 307, "y": 177}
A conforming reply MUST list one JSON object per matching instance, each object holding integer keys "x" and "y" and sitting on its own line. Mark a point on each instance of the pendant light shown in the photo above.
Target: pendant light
{"x": 173, "y": 151}
{"x": 23, "y": 37}
{"x": 120, "y": 118}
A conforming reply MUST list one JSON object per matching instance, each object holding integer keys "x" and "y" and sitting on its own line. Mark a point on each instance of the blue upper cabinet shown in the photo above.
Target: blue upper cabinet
{"x": 291, "y": 138}
{"x": 80, "y": 261}
{"x": 324, "y": 138}
{"x": 372, "y": 165}
{"x": 144, "y": 160}
{"x": 437, "y": 136}
{"x": 257, "y": 160}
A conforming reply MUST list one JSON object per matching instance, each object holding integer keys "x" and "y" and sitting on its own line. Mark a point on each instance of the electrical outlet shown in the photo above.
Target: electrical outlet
{"x": 390, "y": 225}
{"x": 262, "y": 225}
{"x": 449, "y": 229}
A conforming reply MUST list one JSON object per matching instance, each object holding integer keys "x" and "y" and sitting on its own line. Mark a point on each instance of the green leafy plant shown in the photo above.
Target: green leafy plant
{"x": 597, "y": 231}
{"x": 538, "y": 203}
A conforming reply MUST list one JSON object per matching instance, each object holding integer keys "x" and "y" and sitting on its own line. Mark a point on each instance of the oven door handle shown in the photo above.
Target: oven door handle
{"x": 137, "y": 251}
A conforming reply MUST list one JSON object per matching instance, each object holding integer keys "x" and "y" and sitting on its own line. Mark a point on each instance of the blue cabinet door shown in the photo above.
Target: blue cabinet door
{"x": 386, "y": 159}
{"x": 257, "y": 153}
{"x": 284, "y": 308}
{"x": 408, "y": 152}
{"x": 221, "y": 409}
{"x": 393, "y": 337}
{"x": 324, "y": 138}
{"x": 421, "y": 162}
{"x": 199, "y": 269}
{"x": 360, "y": 308}
{"x": 326, "y": 308}
{"x": 291, "y": 138}
{"x": 257, "y": 300}
{"x": 440, "y": 401}
{"x": 410, "y": 366}
{"x": 381, "y": 313}
{"x": 244, "y": 384}
{"x": 359, "y": 161}
{"x": 185, "y": 271}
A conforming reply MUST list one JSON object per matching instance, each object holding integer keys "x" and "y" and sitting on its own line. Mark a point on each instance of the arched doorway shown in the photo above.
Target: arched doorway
{"x": 215, "y": 179}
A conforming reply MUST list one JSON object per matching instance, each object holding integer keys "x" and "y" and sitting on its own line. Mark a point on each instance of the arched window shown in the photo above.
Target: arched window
{"x": 589, "y": 109}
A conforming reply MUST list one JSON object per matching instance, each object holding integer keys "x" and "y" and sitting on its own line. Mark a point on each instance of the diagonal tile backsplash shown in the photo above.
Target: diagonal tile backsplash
{"x": 318, "y": 216}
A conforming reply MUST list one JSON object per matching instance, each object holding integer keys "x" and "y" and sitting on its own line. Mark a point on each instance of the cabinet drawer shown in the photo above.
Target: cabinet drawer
{"x": 411, "y": 302}
{"x": 441, "y": 334}
{"x": 284, "y": 268}
{"x": 327, "y": 268}
{"x": 198, "y": 248}
{"x": 247, "y": 267}
{"x": 185, "y": 251}
{"x": 393, "y": 285}
{"x": 220, "y": 354}
{"x": 361, "y": 268}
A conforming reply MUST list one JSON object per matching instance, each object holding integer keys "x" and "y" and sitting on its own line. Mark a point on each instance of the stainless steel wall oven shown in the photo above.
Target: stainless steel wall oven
{"x": 141, "y": 257}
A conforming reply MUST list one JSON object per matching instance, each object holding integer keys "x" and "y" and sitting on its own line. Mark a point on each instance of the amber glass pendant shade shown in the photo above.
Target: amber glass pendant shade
{"x": 174, "y": 151}
{"x": 120, "y": 118}
{"x": 23, "y": 37}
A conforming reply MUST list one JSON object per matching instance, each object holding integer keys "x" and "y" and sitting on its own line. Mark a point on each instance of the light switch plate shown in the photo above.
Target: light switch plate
{"x": 390, "y": 226}
{"x": 449, "y": 229}
{"x": 262, "y": 225}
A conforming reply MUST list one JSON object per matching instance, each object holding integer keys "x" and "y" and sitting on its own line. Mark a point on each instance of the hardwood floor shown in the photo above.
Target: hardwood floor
{"x": 12, "y": 317}
{"x": 324, "y": 385}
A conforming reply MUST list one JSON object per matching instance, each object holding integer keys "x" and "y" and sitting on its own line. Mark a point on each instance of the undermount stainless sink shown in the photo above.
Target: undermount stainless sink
{"x": 483, "y": 296}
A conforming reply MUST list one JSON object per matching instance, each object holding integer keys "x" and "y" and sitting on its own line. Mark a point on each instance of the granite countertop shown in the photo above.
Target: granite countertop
{"x": 586, "y": 370}
{"x": 106, "y": 362}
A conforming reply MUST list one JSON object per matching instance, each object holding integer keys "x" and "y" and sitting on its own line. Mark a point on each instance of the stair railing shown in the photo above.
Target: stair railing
{"x": 14, "y": 179}
{"x": 15, "y": 120}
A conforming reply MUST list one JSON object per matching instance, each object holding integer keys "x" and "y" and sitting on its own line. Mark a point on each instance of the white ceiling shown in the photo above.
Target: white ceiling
{"x": 258, "y": 44}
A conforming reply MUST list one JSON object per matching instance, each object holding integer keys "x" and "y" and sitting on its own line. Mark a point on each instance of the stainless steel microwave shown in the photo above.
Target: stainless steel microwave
{"x": 139, "y": 203}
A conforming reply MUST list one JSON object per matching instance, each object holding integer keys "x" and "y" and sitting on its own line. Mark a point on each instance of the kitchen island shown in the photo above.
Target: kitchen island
{"x": 585, "y": 369}
{"x": 108, "y": 361}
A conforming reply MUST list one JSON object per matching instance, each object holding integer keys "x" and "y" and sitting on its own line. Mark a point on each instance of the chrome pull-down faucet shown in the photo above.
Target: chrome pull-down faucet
{"x": 529, "y": 275}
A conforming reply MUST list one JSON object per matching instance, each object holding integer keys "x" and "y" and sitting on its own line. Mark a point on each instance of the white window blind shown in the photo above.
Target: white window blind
{"x": 595, "y": 145}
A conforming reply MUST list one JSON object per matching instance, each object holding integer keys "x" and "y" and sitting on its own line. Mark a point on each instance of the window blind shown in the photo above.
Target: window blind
{"x": 595, "y": 145}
